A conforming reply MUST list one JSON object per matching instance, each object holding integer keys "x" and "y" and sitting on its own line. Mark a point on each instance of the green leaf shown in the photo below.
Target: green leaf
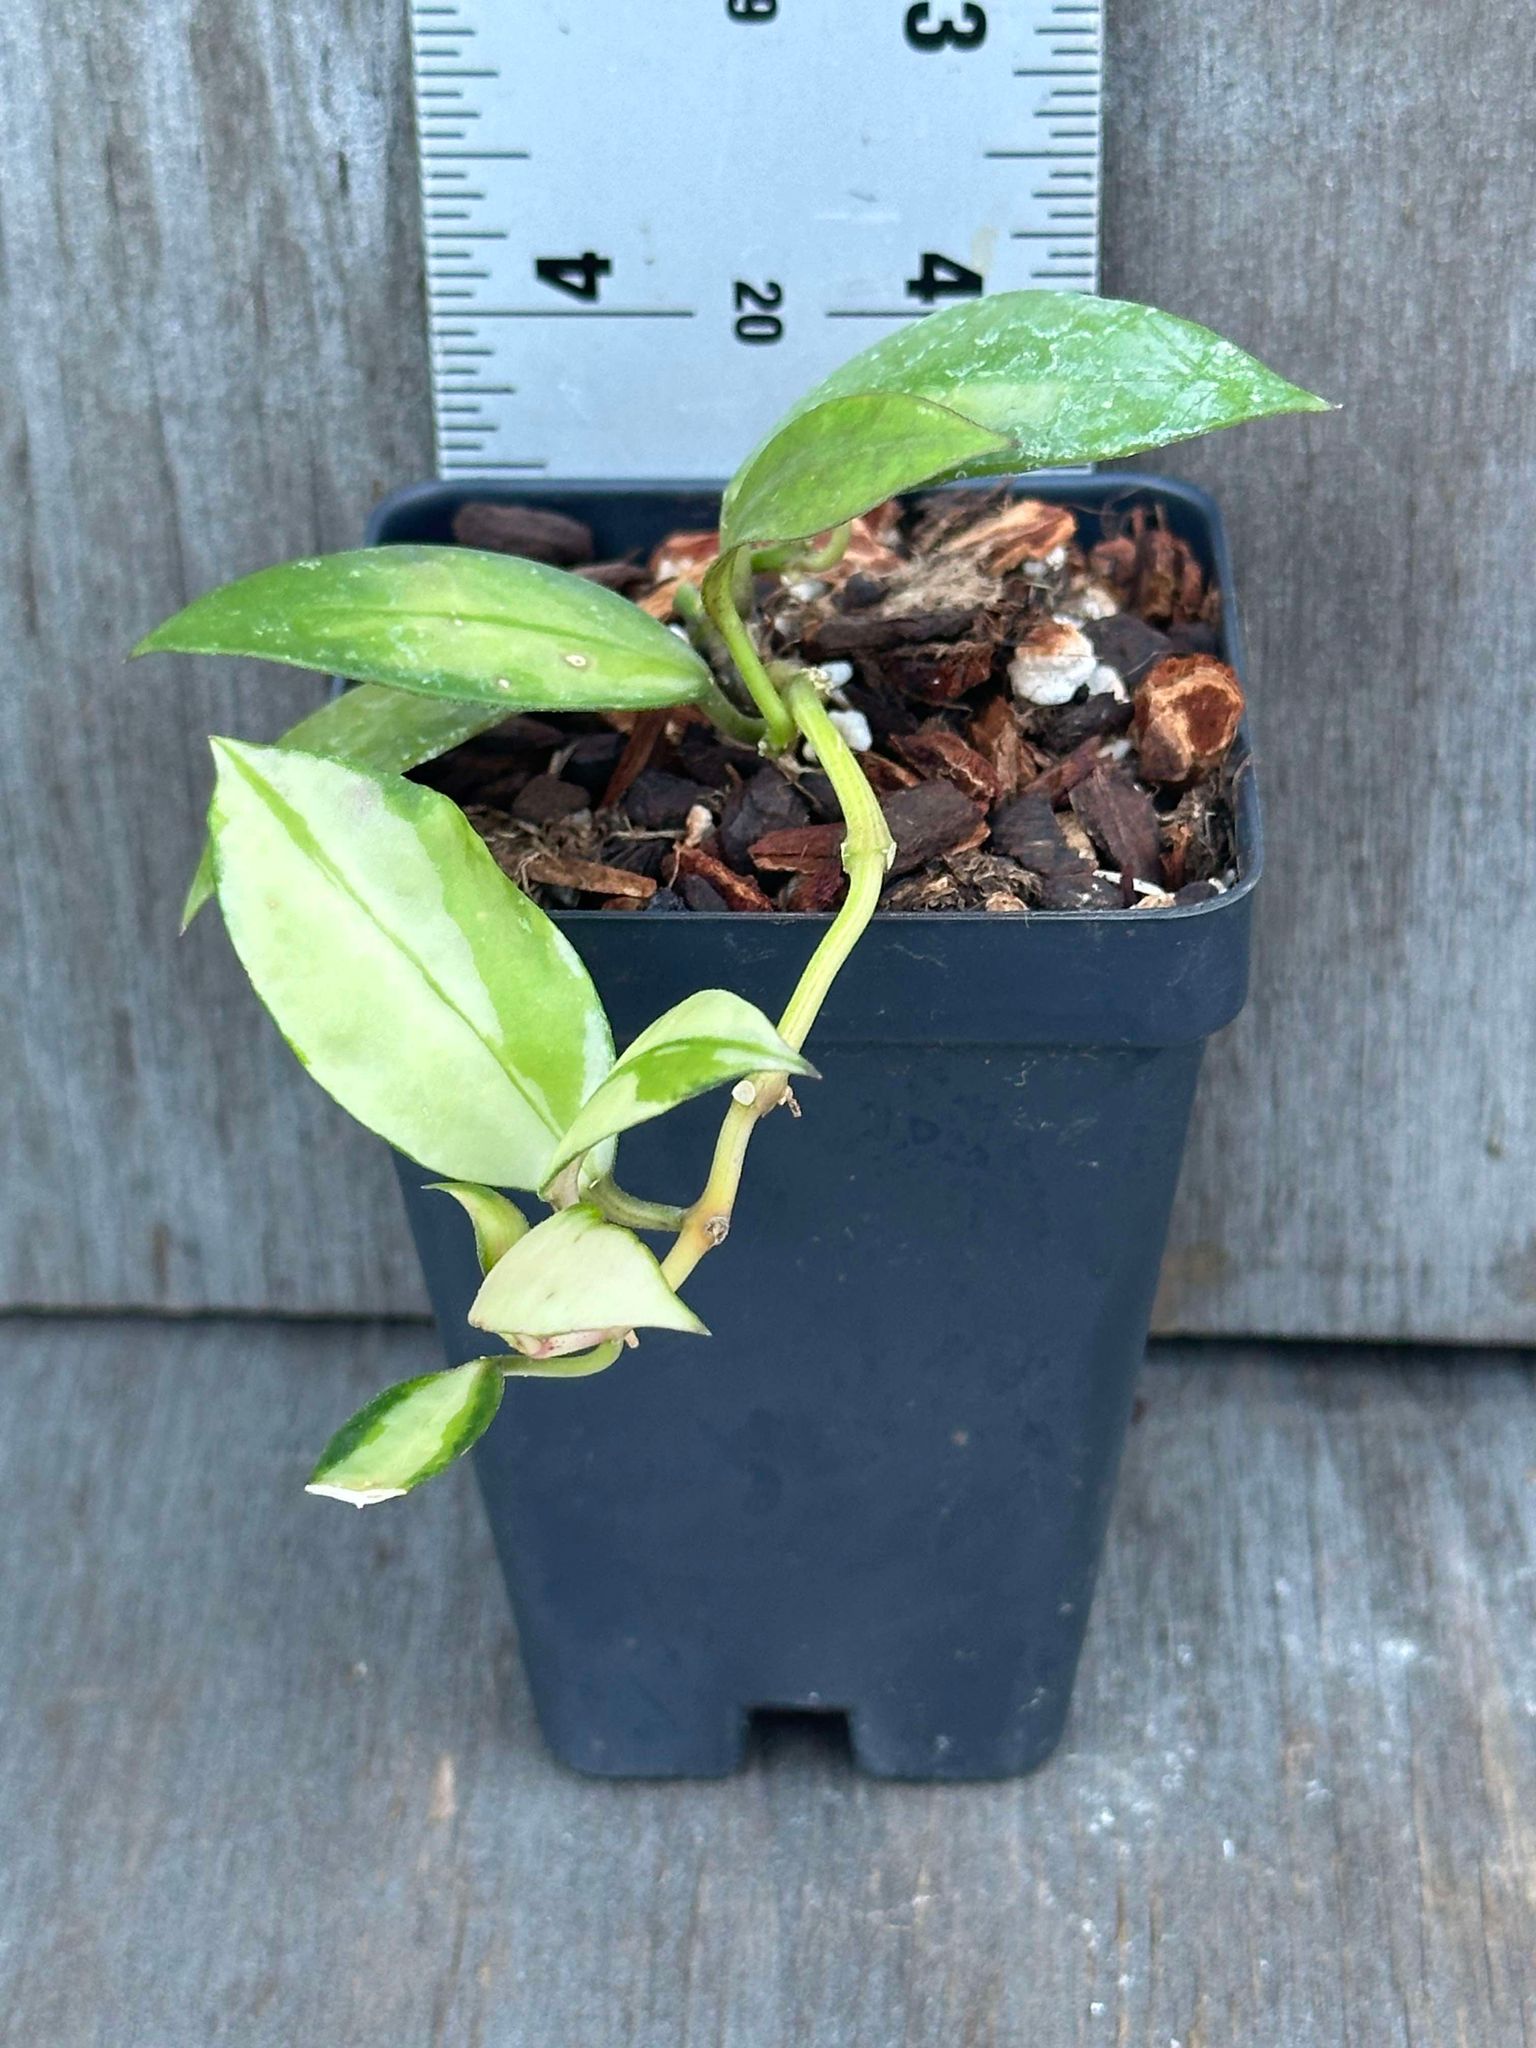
{"x": 369, "y": 727}
{"x": 574, "y": 1281}
{"x": 447, "y": 622}
{"x": 833, "y": 461}
{"x": 1063, "y": 378}
{"x": 417, "y": 984}
{"x": 708, "y": 1039}
{"x": 408, "y": 1433}
{"x": 498, "y": 1223}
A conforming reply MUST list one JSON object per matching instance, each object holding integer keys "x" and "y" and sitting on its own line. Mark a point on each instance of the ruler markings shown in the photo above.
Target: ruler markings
{"x": 564, "y": 188}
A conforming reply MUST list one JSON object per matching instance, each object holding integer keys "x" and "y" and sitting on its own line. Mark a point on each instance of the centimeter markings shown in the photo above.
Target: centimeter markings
{"x": 645, "y": 229}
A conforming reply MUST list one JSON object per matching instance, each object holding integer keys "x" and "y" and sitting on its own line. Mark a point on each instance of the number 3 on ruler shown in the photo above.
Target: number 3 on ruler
{"x": 756, "y": 319}
{"x": 925, "y": 34}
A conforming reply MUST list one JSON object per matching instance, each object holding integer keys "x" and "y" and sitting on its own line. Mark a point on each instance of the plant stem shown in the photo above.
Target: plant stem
{"x": 792, "y": 557}
{"x": 630, "y": 1210}
{"x": 709, "y": 641}
{"x": 867, "y": 850}
{"x": 736, "y": 725}
{"x": 721, "y": 601}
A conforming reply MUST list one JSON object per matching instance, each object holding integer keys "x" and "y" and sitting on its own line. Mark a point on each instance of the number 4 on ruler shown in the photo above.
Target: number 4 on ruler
{"x": 940, "y": 277}
{"x": 577, "y": 275}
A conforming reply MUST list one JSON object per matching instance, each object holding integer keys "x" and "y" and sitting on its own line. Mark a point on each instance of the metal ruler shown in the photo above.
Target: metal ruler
{"x": 651, "y": 226}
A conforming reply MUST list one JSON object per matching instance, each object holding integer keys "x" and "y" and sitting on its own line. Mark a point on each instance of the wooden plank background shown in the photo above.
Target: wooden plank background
{"x": 271, "y": 1775}
{"x": 214, "y": 355}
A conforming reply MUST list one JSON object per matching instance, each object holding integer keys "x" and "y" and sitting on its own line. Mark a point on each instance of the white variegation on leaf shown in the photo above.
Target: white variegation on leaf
{"x": 498, "y": 1223}
{"x": 447, "y": 622}
{"x": 370, "y": 726}
{"x": 408, "y": 1433}
{"x": 707, "y": 1040}
{"x": 576, "y": 1281}
{"x": 420, "y": 987}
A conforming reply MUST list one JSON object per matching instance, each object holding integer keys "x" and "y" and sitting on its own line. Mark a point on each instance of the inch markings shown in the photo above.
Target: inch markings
{"x": 648, "y": 230}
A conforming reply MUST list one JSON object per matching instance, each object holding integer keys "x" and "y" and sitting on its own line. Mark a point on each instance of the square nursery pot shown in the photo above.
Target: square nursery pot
{"x": 881, "y": 1488}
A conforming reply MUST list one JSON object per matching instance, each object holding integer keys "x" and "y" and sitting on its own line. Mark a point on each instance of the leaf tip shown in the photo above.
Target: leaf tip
{"x": 359, "y": 1496}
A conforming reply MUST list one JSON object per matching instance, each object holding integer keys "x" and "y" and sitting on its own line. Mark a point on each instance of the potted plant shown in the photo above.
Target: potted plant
{"x": 884, "y": 1490}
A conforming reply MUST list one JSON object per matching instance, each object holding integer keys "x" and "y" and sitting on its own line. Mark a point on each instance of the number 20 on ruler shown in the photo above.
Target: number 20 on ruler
{"x": 757, "y": 306}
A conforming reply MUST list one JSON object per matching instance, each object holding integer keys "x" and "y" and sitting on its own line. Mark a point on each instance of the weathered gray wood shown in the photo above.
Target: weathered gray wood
{"x": 1349, "y": 193}
{"x": 214, "y": 355}
{"x": 269, "y": 1773}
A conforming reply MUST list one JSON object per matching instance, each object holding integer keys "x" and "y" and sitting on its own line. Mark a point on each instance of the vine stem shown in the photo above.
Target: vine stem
{"x": 867, "y": 852}
{"x": 619, "y": 1206}
{"x": 720, "y": 601}
{"x": 707, "y": 639}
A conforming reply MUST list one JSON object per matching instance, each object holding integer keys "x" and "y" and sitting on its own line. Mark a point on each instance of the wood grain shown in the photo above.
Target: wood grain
{"x": 1355, "y": 206}
{"x": 210, "y": 320}
{"x": 214, "y": 356}
{"x": 270, "y": 1775}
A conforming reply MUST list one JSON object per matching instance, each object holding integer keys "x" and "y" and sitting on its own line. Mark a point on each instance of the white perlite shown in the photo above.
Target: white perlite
{"x": 1051, "y": 663}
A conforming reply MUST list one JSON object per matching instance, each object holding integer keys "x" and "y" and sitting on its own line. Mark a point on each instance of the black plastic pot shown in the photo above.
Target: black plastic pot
{"x": 881, "y": 1487}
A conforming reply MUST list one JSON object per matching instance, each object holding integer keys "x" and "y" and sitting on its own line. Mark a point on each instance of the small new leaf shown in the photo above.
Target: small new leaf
{"x": 1058, "y": 377}
{"x": 447, "y": 622}
{"x": 708, "y": 1039}
{"x": 369, "y": 727}
{"x": 418, "y": 985}
{"x": 830, "y": 462}
{"x": 575, "y": 1281}
{"x": 408, "y": 1433}
{"x": 498, "y": 1223}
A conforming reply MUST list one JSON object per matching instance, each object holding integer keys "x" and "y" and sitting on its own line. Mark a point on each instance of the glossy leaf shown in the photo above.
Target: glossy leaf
{"x": 1063, "y": 378}
{"x": 370, "y": 726}
{"x": 447, "y": 622}
{"x": 708, "y": 1039}
{"x": 498, "y": 1223}
{"x": 574, "y": 1281}
{"x": 409, "y": 1433}
{"x": 833, "y": 461}
{"x": 417, "y": 984}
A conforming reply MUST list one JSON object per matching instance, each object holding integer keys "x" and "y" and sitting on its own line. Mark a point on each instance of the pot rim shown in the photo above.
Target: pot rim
{"x": 1098, "y": 489}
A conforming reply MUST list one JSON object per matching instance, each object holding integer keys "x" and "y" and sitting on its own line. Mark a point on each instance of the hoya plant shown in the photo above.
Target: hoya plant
{"x": 432, "y": 998}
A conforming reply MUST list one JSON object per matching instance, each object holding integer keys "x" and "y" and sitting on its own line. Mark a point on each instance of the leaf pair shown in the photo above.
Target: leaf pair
{"x": 426, "y": 993}
{"x": 574, "y": 1264}
{"x": 446, "y": 642}
{"x": 439, "y": 1005}
{"x": 992, "y": 386}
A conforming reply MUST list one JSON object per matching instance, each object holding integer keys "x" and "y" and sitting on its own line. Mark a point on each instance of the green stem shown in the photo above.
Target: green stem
{"x": 792, "y": 558}
{"x": 630, "y": 1210}
{"x": 570, "y": 1365}
{"x": 720, "y": 599}
{"x": 709, "y": 641}
{"x": 736, "y": 725}
{"x": 867, "y": 850}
